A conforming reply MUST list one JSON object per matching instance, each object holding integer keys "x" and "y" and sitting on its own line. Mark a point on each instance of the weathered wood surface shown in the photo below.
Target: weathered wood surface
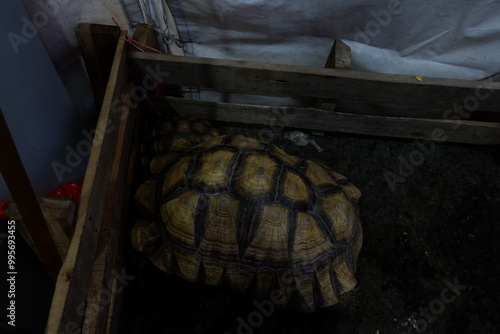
{"x": 340, "y": 59}
{"x": 286, "y": 80}
{"x": 59, "y": 214}
{"x": 145, "y": 34}
{"x": 99, "y": 303}
{"x": 108, "y": 274}
{"x": 120, "y": 283}
{"x": 459, "y": 131}
{"x": 70, "y": 296}
{"x": 14, "y": 174}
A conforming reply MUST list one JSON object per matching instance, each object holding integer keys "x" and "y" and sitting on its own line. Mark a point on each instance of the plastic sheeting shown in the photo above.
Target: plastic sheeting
{"x": 156, "y": 13}
{"x": 458, "y": 39}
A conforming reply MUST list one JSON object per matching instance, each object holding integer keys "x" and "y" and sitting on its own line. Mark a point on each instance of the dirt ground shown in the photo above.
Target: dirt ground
{"x": 430, "y": 257}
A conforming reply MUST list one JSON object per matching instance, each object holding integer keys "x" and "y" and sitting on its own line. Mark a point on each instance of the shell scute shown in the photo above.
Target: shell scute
{"x": 213, "y": 170}
{"x": 219, "y": 239}
{"x": 256, "y": 174}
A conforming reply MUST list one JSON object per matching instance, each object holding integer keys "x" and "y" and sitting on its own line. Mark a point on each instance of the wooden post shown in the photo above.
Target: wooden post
{"x": 20, "y": 187}
{"x": 341, "y": 56}
{"x": 340, "y": 59}
{"x": 145, "y": 34}
{"x": 109, "y": 251}
{"x": 73, "y": 300}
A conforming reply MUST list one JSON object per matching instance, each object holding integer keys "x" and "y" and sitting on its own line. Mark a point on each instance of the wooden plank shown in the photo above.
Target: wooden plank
{"x": 470, "y": 132}
{"x": 69, "y": 300}
{"x": 99, "y": 303}
{"x": 113, "y": 321}
{"x": 365, "y": 108}
{"x": 59, "y": 214}
{"x": 109, "y": 322}
{"x": 17, "y": 181}
{"x": 97, "y": 44}
{"x": 145, "y": 34}
{"x": 287, "y": 80}
{"x": 339, "y": 58}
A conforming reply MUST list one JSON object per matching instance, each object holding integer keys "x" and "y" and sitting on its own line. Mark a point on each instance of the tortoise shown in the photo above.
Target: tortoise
{"x": 238, "y": 212}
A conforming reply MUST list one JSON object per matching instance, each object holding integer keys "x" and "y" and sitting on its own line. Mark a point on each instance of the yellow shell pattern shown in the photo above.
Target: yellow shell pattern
{"x": 235, "y": 211}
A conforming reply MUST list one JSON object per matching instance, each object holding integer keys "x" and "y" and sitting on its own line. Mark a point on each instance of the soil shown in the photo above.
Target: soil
{"x": 429, "y": 262}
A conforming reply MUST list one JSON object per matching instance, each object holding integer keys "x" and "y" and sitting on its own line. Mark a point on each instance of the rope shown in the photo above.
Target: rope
{"x": 133, "y": 42}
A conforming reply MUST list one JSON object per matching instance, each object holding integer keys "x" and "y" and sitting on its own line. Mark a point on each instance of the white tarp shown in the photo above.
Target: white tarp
{"x": 449, "y": 39}
{"x": 458, "y": 39}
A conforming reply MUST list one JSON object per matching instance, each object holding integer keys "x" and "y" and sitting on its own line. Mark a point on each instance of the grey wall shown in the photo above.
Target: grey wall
{"x": 36, "y": 105}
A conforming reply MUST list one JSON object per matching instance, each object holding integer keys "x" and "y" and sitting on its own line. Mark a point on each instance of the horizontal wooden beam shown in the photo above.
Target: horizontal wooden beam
{"x": 459, "y": 131}
{"x": 287, "y": 80}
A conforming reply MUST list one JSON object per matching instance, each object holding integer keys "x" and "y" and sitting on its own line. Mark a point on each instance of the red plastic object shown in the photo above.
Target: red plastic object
{"x": 71, "y": 189}
{"x": 3, "y": 204}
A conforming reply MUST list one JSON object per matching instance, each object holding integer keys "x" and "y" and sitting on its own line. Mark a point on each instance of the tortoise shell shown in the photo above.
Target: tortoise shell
{"x": 175, "y": 135}
{"x": 179, "y": 135}
{"x": 238, "y": 212}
